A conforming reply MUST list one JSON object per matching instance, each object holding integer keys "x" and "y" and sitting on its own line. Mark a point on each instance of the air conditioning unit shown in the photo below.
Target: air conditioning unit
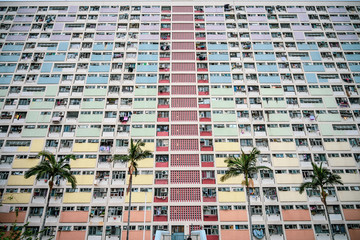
{"x": 163, "y": 190}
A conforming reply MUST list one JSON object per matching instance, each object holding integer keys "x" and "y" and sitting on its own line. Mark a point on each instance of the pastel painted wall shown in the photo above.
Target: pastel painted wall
{"x": 74, "y": 216}
{"x": 77, "y": 197}
{"x": 66, "y": 235}
{"x": 142, "y": 179}
{"x": 139, "y": 197}
{"x": 354, "y": 234}
{"x": 83, "y": 163}
{"x": 282, "y": 146}
{"x": 231, "y": 197}
{"x": 234, "y": 180}
{"x": 233, "y": 215}
{"x": 85, "y": 147}
{"x": 19, "y": 180}
{"x": 11, "y": 217}
{"x": 231, "y": 234}
{"x": 25, "y": 163}
{"x": 299, "y": 234}
{"x": 136, "y": 235}
{"x": 351, "y": 214}
{"x": 137, "y": 216}
{"x": 292, "y": 196}
{"x": 349, "y": 196}
{"x": 296, "y": 215}
{"x": 16, "y": 198}
{"x": 227, "y": 147}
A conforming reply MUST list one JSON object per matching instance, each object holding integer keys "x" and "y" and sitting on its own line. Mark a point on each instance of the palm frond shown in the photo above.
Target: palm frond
{"x": 67, "y": 175}
{"x": 229, "y": 174}
{"x": 245, "y": 164}
{"x": 305, "y": 185}
{"x": 52, "y": 168}
{"x": 39, "y": 171}
{"x": 321, "y": 178}
{"x": 122, "y": 158}
{"x": 48, "y": 156}
{"x": 67, "y": 158}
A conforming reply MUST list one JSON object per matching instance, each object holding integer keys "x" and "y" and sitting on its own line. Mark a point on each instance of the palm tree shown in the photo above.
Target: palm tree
{"x": 321, "y": 179}
{"x": 51, "y": 168}
{"x": 135, "y": 154}
{"x": 245, "y": 164}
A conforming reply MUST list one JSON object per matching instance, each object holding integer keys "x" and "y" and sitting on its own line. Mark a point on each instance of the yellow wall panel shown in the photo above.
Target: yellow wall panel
{"x": 288, "y": 178}
{"x": 85, "y": 147}
{"x": 146, "y": 163}
{"x": 83, "y": 163}
{"x": 342, "y": 162}
{"x": 149, "y": 146}
{"x": 282, "y": 146}
{"x": 349, "y": 196}
{"x": 285, "y": 162}
{"x": 77, "y": 197}
{"x": 19, "y": 180}
{"x": 16, "y": 198}
{"x": 231, "y": 197}
{"x": 220, "y": 162}
{"x": 23, "y": 149}
{"x": 139, "y": 197}
{"x": 25, "y": 163}
{"x": 142, "y": 179}
{"x": 37, "y": 145}
{"x": 350, "y": 177}
{"x": 227, "y": 147}
{"x": 336, "y": 146}
{"x": 84, "y": 180}
{"x": 292, "y": 196}
{"x": 234, "y": 180}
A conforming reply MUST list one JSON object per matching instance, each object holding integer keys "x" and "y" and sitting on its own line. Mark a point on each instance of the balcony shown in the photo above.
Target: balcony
{"x": 210, "y": 217}
{"x": 208, "y": 181}
{"x": 163, "y": 198}
{"x": 206, "y": 148}
{"x": 162, "y": 148}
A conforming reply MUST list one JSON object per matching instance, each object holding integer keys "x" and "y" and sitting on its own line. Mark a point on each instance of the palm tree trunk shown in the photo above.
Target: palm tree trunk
{"x": 42, "y": 227}
{"x": 323, "y": 199}
{"x": 129, "y": 210}
{"x": 249, "y": 211}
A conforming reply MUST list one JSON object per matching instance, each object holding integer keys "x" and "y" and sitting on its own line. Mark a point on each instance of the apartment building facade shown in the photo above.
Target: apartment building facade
{"x": 197, "y": 82}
